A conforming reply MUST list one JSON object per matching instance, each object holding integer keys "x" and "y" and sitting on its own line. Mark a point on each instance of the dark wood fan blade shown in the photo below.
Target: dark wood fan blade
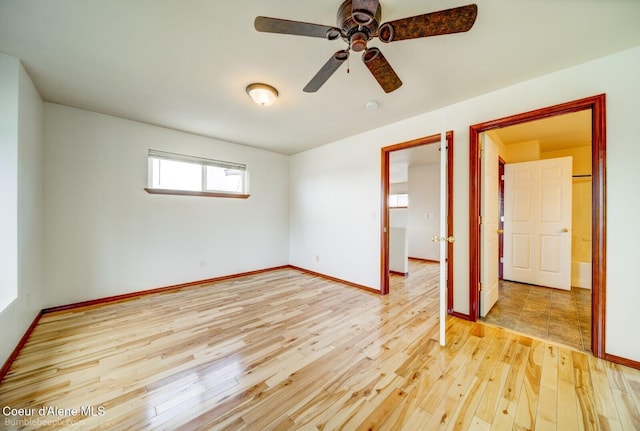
{"x": 381, "y": 70}
{"x": 326, "y": 71}
{"x": 298, "y": 28}
{"x": 363, "y": 11}
{"x": 456, "y": 20}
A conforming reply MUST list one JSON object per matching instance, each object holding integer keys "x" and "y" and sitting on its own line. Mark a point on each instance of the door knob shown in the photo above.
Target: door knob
{"x": 448, "y": 239}
{"x": 564, "y": 229}
{"x": 500, "y": 231}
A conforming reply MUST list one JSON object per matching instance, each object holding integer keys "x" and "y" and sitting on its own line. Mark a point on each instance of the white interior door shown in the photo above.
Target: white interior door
{"x": 443, "y": 234}
{"x": 537, "y": 226}
{"x": 489, "y": 228}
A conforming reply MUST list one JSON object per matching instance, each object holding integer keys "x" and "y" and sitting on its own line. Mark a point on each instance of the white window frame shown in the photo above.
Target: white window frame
{"x": 204, "y": 163}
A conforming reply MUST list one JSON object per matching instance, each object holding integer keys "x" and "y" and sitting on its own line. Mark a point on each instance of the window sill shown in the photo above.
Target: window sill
{"x": 191, "y": 193}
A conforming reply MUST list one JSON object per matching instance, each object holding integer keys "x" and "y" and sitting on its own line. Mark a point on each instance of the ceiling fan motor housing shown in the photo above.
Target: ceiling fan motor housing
{"x": 357, "y": 26}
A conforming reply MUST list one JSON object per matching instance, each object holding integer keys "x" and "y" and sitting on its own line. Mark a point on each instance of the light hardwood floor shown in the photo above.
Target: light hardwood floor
{"x": 285, "y": 350}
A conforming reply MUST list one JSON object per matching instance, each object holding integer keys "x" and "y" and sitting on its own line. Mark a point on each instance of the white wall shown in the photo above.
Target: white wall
{"x": 398, "y": 217}
{"x": 21, "y": 215}
{"x": 335, "y": 211}
{"x": 9, "y": 93}
{"x": 347, "y": 173}
{"x": 398, "y": 250}
{"x": 106, "y": 236}
{"x": 424, "y": 211}
{"x": 398, "y": 188}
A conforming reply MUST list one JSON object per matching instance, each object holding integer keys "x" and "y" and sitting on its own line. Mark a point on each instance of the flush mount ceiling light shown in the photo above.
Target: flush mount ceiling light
{"x": 262, "y": 94}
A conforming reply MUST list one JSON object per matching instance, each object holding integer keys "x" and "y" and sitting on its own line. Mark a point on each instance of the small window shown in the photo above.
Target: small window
{"x": 400, "y": 200}
{"x": 171, "y": 173}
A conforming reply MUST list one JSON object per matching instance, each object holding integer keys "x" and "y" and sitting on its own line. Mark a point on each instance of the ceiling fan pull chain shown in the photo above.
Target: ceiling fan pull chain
{"x": 348, "y": 64}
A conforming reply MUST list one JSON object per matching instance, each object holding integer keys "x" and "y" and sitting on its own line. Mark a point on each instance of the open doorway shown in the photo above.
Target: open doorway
{"x": 595, "y": 108}
{"x": 442, "y": 158}
{"x": 537, "y": 253}
{"x": 396, "y": 161}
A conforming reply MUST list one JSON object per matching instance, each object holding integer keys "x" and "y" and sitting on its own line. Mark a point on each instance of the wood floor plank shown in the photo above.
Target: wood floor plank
{"x": 471, "y": 398}
{"x": 603, "y": 396}
{"x": 547, "y": 411}
{"x": 288, "y": 350}
{"x": 588, "y": 415}
{"x": 486, "y": 410}
{"x": 383, "y": 410}
{"x": 568, "y": 417}
{"x": 458, "y": 394}
{"x": 626, "y": 393}
{"x": 505, "y": 414}
{"x": 449, "y": 372}
{"x": 528, "y": 400}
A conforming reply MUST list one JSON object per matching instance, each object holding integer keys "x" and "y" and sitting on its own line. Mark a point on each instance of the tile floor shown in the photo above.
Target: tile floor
{"x": 557, "y": 315}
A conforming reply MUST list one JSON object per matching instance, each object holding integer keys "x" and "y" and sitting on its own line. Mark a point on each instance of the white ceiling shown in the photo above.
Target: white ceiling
{"x": 185, "y": 64}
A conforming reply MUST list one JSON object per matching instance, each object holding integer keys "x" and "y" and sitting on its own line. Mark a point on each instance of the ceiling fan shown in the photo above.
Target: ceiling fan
{"x": 358, "y": 21}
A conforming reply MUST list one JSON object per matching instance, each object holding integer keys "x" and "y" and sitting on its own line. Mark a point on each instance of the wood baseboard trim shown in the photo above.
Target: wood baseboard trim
{"x": 419, "y": 259}
{"x": 622, "y": 361}
{"x": 118, "y": 298}
{"x": 133, "y": 295}
{"x": 404, "y": 274}
{"x": 461, "y": 316}
{"x": 337, "y": 280}
{"x": 12, "y": 357}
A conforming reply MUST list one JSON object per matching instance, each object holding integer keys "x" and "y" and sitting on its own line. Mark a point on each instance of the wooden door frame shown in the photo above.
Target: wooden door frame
{"x": 384, "y": 231}
{"x": 598, "y": 170}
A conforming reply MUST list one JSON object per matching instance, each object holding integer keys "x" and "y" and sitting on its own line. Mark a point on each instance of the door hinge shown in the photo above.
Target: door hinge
{"x": 479, "y": 287}
{"x": 479, "y": 219}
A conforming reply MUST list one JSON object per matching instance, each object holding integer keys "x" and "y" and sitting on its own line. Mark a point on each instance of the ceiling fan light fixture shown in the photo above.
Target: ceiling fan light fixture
{"x": 262, "y": 94}
{"x": 333, "y": 34}
{"x": 386, "y": 33}
{"x": 362, "y": 17}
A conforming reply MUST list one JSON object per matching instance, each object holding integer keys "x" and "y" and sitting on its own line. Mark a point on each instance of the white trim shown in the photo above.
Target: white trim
{"x": 194, "y": 159}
